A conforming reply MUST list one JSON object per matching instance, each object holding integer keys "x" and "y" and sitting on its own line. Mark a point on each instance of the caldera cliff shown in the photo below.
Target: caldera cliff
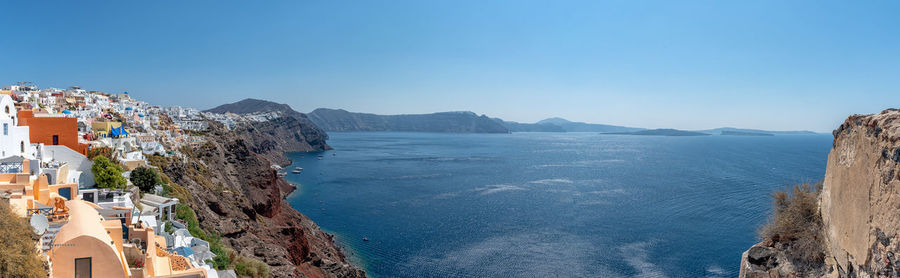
{"x": 228, "y": 181}
{"x": 859, "y": 205}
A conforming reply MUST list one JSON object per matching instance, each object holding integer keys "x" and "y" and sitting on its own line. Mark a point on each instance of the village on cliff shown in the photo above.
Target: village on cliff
{"x": 91, "y": 224}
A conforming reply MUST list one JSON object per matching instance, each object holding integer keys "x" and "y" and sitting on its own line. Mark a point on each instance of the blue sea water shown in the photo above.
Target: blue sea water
{"x": 549, "y": 204}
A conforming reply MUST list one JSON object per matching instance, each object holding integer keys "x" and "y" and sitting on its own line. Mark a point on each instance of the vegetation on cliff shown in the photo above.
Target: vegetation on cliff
{"x": 796, "y": 226}
{"x": 18, "y": 257}
{"x": 232, "y": 197}
{"x": 226, "y": 258}
{"x": 144, "y": 178}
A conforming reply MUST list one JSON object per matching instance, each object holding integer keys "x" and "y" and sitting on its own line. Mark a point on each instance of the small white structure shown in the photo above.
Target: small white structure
{"x": 79, "y": 165}
{"x": 162, "y": 208}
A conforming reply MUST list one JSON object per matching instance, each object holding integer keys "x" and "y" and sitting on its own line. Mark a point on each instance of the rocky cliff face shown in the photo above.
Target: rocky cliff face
{"x": 292, "y": 132}
{"x": 275, "y": 137}
{"x": 230, "y": 184}
{"x": 859, "y": 203}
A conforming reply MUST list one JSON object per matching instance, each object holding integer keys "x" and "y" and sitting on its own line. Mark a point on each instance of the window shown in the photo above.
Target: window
{"x": 7, "y": 109}
{"x": 22, "y": 146}
{"x": 83, "y": 267}
{"x": 55, "y": 140}
{"x": 5, "y": 129}
{"x": 88, "y": 196}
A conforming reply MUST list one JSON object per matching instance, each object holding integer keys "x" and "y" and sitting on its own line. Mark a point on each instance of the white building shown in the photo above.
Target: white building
{"x": 79, "y": 165}
{"x": 13, "y": 138}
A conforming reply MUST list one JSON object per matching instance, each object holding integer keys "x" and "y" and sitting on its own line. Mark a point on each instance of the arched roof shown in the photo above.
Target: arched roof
{"x": 84, "y": 220}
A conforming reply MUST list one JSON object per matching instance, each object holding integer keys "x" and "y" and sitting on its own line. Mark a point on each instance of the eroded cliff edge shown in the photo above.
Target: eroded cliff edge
{"x": 229, "y": 182}
{"x": 859, "y": 203}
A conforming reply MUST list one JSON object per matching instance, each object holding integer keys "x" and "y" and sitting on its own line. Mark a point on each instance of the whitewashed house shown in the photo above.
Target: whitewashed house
{"x": 13, "y": 138}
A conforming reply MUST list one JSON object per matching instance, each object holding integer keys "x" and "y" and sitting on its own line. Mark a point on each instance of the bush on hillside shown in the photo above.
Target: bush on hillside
{"x": 797, "y": 224}
{"x": 19, "y": 257}
{"x": 144, "y": 178}
{"x": 108, "y": 174}
{"x": 221, "y": 261}
{"x": 100, "y": 151}
{"x": 247, "y": 267}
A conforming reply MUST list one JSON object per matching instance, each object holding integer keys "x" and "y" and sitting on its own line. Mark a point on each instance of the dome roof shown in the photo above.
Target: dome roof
{"x": 84, "y": 220}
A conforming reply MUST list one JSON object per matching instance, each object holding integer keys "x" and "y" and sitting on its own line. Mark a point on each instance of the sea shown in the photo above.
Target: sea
{"x": 549, "y": 204}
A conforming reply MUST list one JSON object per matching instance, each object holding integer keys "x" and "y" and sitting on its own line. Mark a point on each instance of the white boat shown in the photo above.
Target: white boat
{"x": 297, "y": 170}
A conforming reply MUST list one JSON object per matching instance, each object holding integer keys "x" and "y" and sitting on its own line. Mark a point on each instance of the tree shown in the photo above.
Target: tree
{"x": 19, "y": 258}
{"x": 107, "y": 174}
{"x": 144, "y": 178}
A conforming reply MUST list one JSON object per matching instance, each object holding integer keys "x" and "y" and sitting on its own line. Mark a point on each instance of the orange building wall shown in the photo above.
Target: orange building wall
{"x": 42, "y": 129}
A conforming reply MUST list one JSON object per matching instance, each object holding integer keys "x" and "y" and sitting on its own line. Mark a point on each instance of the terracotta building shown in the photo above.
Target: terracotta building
{"x": 52, "y": 130}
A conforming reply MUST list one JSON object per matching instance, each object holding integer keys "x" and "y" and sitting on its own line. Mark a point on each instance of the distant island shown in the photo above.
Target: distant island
{"x": 662, "y": 132}
{"x": 535, "y": 127}
{"x": 562, "y": 125}
{"x": 722, "y": 130}
{"x": 570, "y": 126}
{"x": 446, "y": 122}
{"x": 744, "y": 133}
{"x": 470, "y": 122}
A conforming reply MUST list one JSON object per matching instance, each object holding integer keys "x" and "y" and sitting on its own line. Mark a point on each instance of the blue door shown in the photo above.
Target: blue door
{"x": 124, "y": 229}
{"x": 65, "y": 192}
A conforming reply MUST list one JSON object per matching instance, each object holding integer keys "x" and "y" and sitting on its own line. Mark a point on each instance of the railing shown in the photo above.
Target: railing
{"x": 44, "y": 211}
{"x": 49, "y": 213}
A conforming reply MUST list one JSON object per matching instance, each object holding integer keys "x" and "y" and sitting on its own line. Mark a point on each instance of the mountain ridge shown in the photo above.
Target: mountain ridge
{"x": 307, "y": 130}
{"x": 444, "y": 122}
{"x": 328, "y": 119}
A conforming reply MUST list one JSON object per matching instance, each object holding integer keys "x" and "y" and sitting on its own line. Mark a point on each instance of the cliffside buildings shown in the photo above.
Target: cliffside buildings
{"x": 45, "y": 175}
{"x": 53, "y": 130}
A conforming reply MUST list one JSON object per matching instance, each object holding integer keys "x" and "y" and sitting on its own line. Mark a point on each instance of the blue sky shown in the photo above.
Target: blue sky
{"x": 680, "y": 64}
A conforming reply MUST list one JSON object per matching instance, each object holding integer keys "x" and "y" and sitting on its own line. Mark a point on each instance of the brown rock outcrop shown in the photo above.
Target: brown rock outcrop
{"x": 291, "y": 132}
{"x": 859, "y": 203}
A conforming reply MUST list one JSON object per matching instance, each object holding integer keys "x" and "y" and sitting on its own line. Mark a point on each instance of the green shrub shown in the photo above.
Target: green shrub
{"x": 247, "y": 267}
{"x": 222, "y": 260}
{"x": 107, "y": 174}
{"x": 797, "y": 223}
{"x": 144, "y": 178}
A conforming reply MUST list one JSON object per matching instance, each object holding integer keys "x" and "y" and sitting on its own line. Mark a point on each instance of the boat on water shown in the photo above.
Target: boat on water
{"x": 297, "y": 170}
{"x": 320, "y": 157}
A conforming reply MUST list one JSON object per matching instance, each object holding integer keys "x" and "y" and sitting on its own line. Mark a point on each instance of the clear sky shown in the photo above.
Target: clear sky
{"x": 679, "y": 64}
